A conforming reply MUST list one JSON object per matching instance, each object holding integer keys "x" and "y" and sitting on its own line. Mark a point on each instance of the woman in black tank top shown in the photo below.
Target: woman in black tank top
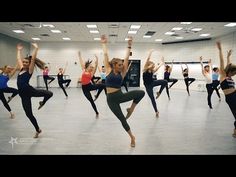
{"x": 226, "y": 82}
{"x": 187, "y": 80}
{"x": 116, "y": 70}
{"x": 26, "y": 91}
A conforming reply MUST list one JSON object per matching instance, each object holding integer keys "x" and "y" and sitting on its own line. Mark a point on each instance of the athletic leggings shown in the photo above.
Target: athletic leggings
{"x": 215, "y": 84}
{"x": 149, "y": 90}
{"x": 89, "y": 87}
{"x": 26, "y": 95}
{"x": 46, "y": 78}
{"x": 61, "y": 82}
{"x": 114, "y": 100}
{"x": 210, "y": 90}
{"x": 167, "y": 88}
{"x": 231, "y": 101}
{"x": 187, "y": 83}
{"x": 3, "y": 99}
{"x": 125, "y": 85}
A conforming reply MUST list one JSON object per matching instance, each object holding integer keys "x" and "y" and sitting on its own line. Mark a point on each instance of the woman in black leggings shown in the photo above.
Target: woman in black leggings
{"x": 46, "y": 77}
{"x": 87, "y": 86}
{"x": 125, "y": 80}
{"x": 168, "y": 70}
{"x": 148, "y": 71}
{"x": 206, "y": 72}
{"x": 215, "y": 81}
{"x": 116, "y": 70}
{"x": 26, "y": 91}
{"x": 5, "y": 75}
{"x": 187, "y": 79}
{"x": 226, "y": 82}
{"x": 62, "y": 81}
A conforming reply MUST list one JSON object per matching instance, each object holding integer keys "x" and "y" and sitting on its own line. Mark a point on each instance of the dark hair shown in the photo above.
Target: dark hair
{"x": 87, "y": 63}
{"x": 115, "y": 61}
{"x": 230, "y": 68}
{"x": 206, "y": 66}
{"x": 215, "y": 68}
{"x": 167, "y": 67}
{"x": 185, "y": 69}
{"x": 39, "y": 63}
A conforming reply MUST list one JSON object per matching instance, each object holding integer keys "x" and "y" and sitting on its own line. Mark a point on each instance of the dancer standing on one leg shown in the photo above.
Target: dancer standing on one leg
{"x": 6, "y": 73}
{"x": 215, "y": 81}
{"x": 116, "y": 70}
{"x": 168, "y": 70}
{"x": 187, "y": 79}
{"x": 148, "y": 71}
{"x": 61, "y": 80}
{"x": 102, "y": 79}
{"x": 26, "y": 91}
{"x": 46, "y": 77}
{"x": 206, "y": 72}
{"x": 87, "y": 86}
{"x": 226, "y": 82}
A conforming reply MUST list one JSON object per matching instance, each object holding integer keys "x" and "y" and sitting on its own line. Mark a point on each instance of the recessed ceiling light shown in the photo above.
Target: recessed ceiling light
{"x": 196, "y": 29}
{"x": 132, "y": 32}
{"x": 146, "y": 36}
{"x": 169, "y": 33}
{"x": 159, "y": 40}
{"x": 94, "y": 31}
{"x": 36, "y": 38}
{"x": 48, "y": 25}
{"x": 56, "y": 31}
{"x": 66, "y": 38}
{"x": 179, "y": 37}
{"x": 97, "y": 38}
{"x": 18, "y": 31}
{"x": 135, "y": 26}
{"x": 91, "y": 26}
{"x": 230, "y": 25}
{"x": 204, "y": 35}
{"x": 185, "y": 23}
{"x": 177, "y": 28}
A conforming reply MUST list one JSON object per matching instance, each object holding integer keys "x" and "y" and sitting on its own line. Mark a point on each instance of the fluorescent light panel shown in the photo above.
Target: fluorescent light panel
{"x": 132, "y": 32}
{"x": 196, "y": 29}
{"x": 169, "y": 33}
{"x": 94, "y": 31}
{"x": 204, "y": 35}
{"x": 185, "y": 23}
{"x": 18, "y": 31}
{"x": 177, "y": 28}
{"x": 48, "y": 25}
{"x": 66, "y": 38}
{"x": 230, "y": 25}
{"x": 97, "y": 38}
{"x": 36, "y": 38}
{"x": 146, "y": 36}
{"x": 91, "y": 26}
{"x": 135, "y": 26}
{"x": 159, "y": 40}
{"x": 56, "y": 31}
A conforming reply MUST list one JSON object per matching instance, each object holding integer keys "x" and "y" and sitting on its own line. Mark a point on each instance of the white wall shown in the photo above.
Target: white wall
{"x": 57, "y": 53}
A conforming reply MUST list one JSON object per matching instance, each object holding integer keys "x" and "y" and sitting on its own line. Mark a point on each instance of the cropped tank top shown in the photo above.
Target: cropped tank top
{"x": 45, "y": 72}
{"x": 227, "y": 83}
{"x": 147, "y": 78}
{"x": 86, "y": 78}
{"x": 114, "y": 80}
{"x": 166, "y": 75}
{"x": 23, "y": 80}
{"x": 3, "y": 81}
{"x": 215, "y": 76}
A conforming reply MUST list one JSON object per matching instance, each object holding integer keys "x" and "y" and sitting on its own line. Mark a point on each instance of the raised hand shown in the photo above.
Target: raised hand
{"x": 19, "y": 46}
{"x": 35, "y": 45}
{"x": 201, "y": 58}
{"x": 130, "y": 40}
{"x": 229, "y": 53}
{"x": 103, "y": 39}
{"x": 218, "y": 44}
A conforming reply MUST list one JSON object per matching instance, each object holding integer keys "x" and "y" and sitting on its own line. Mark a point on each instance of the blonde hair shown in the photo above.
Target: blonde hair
{"x": 230, "y": 68}
{"x": 114, "y": 61}
{"x": 147, "y": 65}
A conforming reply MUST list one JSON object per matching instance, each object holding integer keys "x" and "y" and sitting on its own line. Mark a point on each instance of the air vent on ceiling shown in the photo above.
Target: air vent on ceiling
{"x": 113, "y": 26}
{"x": 150, "y": 33}
{"x": 113, "y": 35}
{"x": 192, "y": 40}
{"x": 28, "y": 25}
{"x": 47, "y": 35}
{"x": 175, "y": 35}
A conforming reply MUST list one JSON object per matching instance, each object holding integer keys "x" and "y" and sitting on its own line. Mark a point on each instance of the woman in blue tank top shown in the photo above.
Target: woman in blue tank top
{"x": 5, "y": 75}
{"x": 26, "y": 91}
{"x": 116, "y": 70}
{"x": 226, "y": 82}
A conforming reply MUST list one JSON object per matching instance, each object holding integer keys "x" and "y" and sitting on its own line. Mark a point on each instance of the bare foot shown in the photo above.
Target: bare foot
{"x": 219, "y": 99}
{"x": 129, "y": 112}
{"x": 157, "y": 114}
{"x": 158, "y": 94}
{"x": 12, "y": 116}
{"x": 132, "y": 144}
{"x": 37, "y": 133}
{"x": 234, "y": 134}
{"x": 97, "y": 116}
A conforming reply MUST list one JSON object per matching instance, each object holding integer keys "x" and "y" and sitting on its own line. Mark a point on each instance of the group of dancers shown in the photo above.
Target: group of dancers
{"x": 112, "y": 79}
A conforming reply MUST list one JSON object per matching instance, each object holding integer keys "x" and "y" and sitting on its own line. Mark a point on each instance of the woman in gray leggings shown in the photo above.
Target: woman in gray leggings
{"x": 116, "y": 71}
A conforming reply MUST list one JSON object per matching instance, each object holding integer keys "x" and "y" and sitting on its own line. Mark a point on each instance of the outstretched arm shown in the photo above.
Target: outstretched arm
{"x": 64, "y": 70}
{"x": 228, "y": 56}
{"x": 105, "y": 52}
{"x": 34, "y": 55}
{"x": 171, "y": 66}
{"x": 222, "y": 65}
{"x": 203, "y": 72}
{"x": 18, "y": 57}
{"x": 96, "y": 65}
{"x": 147, "y": 60}
{"x": 13, "y": 71}
{"x": 81, "y": 61}
{"x": 158, "y": 67}
{"x": 126, "y": 60}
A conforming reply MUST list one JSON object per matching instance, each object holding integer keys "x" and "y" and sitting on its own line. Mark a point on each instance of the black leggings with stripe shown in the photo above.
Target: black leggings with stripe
{"x": 3, "y": 99}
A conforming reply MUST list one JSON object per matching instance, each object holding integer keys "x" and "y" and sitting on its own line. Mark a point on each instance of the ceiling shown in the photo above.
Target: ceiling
{"x": 78, "y": 31}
